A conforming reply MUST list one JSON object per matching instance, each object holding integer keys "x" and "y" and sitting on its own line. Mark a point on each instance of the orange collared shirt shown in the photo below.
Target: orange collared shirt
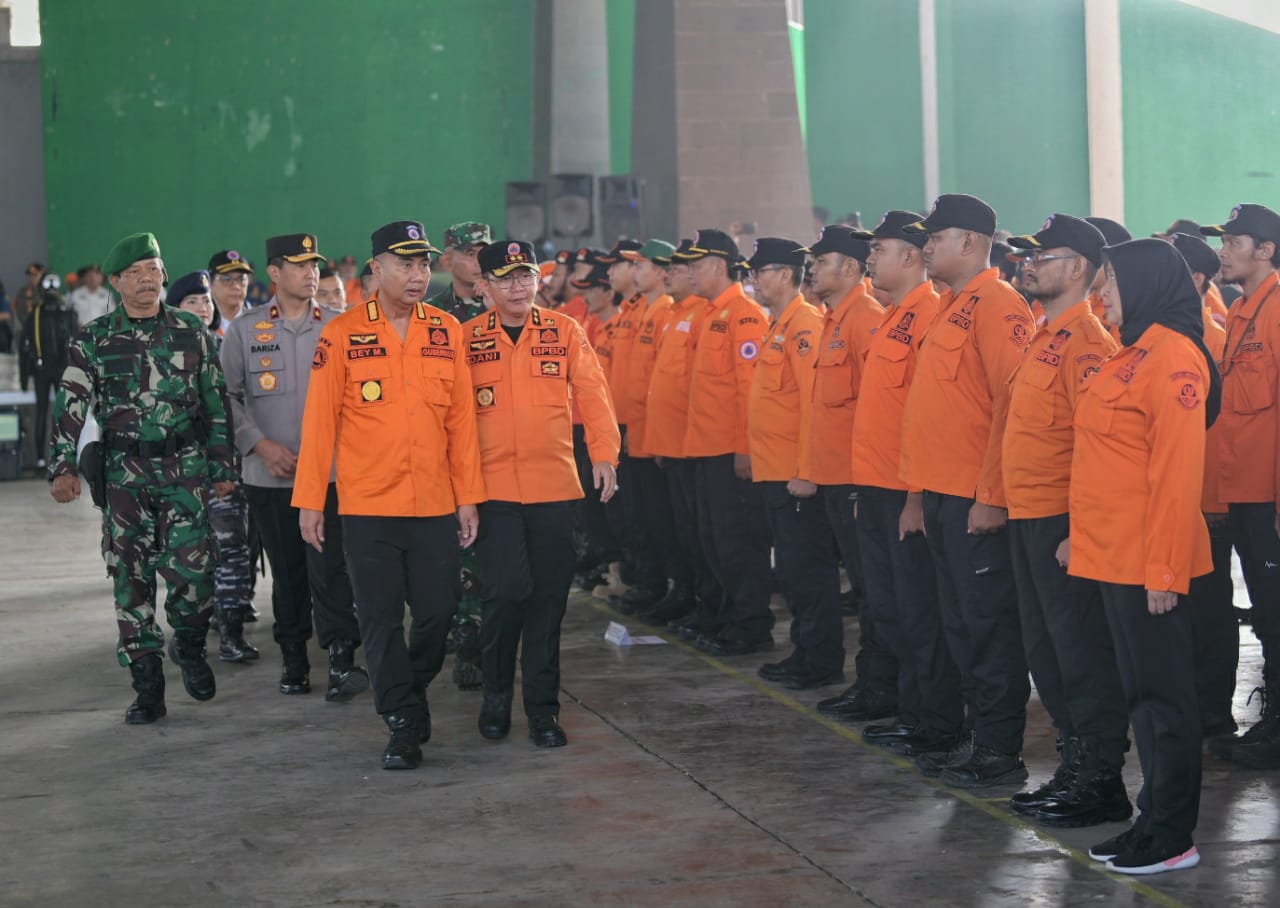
{"x": 727, "y": 346}
{"x": 1215, "y": 338}
{"x": 847, "y": 333}
{"x": 397, "y": 413}
{"x": 1135, "y": 474}
{"x": 644, "y": 352}
{"x": 948, "y": 441}
{"x": 575, "y": 308}
{"x": 667, "y": 407}
{"x": 780, "y": 404}
{"x": 522, "y": 403}
{"x": 887, "y": 375}
{"x": 629, "y": 317}
{"x": 1042, "y": 393}
{"x": 1248, "y": 452}
{"x": 1217, "y": 308}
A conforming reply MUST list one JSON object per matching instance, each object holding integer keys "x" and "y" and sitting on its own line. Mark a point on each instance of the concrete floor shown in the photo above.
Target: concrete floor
{"x": 687, "y": 782}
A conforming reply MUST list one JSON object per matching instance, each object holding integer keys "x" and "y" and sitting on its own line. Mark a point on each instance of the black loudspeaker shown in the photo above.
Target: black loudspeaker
{"x": 526, "y": 211}
{"x": 571, "y": 204}
{"x": 621, "y": 209}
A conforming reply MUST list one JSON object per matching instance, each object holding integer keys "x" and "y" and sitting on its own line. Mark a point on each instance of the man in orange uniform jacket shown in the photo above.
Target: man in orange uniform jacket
{"x": 950, "y": 450}
{"x": 1114, "y": 233}
{"x": 666, "y": 420}
{"x": 1064, "y": 630}
{"x": 389, "y": 397}
{"x": 779, "y": 420}
{"x": 1248, "y": 451}
{"x": 899, "y": 581}
{"x": 653, "y": 503}
{"x": 839, "y": 271}
{"x": 731, "y": 517}
{"x": 1215, "y": 628}
{"x": 525, "y": 364}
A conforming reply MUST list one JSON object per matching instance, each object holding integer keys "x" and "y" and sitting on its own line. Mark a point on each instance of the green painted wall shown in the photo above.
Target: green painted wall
{"x": 620, "y": 36}
{"x": 1201, "y": 114}
{"x": 218, "y": 125}
{"x": 1012, "y": 106}
{"x": 862, "y": 105}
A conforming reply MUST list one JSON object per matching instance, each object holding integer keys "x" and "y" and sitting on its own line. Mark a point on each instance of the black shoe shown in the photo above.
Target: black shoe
{"x": 810, "y": 679}
{"x": 232, "y": 647}
{"x": 424, "y": 728}
{"x": 861, "y": 703}
{"x": 922, "y": 741}
{"x": 187, "y": 650}
{"x": 1149, "y": 855}
{"x": 851, "y": 602}
{"x": 1217, "y": 726}
{"x": 776, "y": 671}
{"x": 1266, "y": 729}
{"x": 1097, "y": 797}
{"x": 986, "y": 768}
{"x": 466, "y": 661}
{"x": 935, "y": 763}
{"x": 736, "y": 644}
{"x": 1105, "y": 851}
{"x": 881, "y": 735}
{"x": 495, "y": 716}
{"x": 545, "y": 731}
{"x": 249, "y": 615}
{"x": 403, "y": 750}
{"x": 346, "y": 679}
{"x": 1058, "y": 784}
{"x": 634, "y": 601}
{"x": 295, "y": 675}
{"x": 148, "y": 682}
{"x": 697, "y": 626}
{"x": 677, "y": 603}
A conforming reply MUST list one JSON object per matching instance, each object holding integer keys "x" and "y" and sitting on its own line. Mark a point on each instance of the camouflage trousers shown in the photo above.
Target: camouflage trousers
{"x": 469, "y": 600}
{"x": 233, "y": 575}
{"x": 156, "y": 525}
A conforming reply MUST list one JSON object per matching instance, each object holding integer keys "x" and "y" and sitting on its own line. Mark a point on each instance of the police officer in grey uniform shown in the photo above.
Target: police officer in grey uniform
{"x": 266, "y": 356}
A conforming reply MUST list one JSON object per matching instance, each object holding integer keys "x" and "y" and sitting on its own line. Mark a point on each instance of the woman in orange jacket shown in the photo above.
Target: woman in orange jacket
{"x": 1137, "y": 528}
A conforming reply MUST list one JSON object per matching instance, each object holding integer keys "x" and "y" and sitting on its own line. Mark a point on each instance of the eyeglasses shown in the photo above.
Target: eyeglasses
{"x": 1039, "y": 258}
{"x": 759, "y": 271}
{"x": 524, "y": 278}
{"x": 239, "y": 278}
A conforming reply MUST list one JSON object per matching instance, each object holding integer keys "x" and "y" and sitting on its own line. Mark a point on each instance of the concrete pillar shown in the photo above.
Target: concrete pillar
{"x": 23, "y": 235}
{"x": 1106, "y": 116}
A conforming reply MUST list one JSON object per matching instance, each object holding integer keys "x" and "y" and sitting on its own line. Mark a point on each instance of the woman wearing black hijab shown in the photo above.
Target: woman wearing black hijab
{"x": 1137, "y": 528}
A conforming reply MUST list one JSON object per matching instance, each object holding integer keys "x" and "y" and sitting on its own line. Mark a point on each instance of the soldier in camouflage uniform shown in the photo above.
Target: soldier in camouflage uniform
{"x": 152, "y": 375}
{"x": 464, "y": 302}
{"x": 228, "y": 517}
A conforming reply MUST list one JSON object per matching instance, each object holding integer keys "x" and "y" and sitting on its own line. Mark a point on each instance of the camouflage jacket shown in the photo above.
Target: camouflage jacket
{"x": 146, "y": 379}
{"x": 461, "y": 309}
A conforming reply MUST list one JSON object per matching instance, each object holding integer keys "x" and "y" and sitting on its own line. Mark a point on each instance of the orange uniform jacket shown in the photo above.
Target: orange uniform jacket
{"x": 575, "y": 308}
{"x": 1135, "y": 516}
{"x": 1216, "y": 340}
{"x": 949, "y": 442}
{"x": 644, "y": 352}
{"x": 597, "y": 333}
{"x": 667, "y": 409}
{"x": 728, "y": 344}
{"x": 780, "y": 405}
{"x": 1217, "y": 308}
{"x": 847, "y": 332}
{"x": 1248, "y": 435}
{"x": 398, "y": 413}
{"x": 886, "y": 377}
{"x": 628, "y": 319}
{"x": 355, "y": 292}
{"x": 1042, "y": 393}
{"x": 522, "y": 394}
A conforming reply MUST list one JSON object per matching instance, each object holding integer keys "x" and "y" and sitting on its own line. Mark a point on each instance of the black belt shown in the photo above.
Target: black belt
{"x": 134, "y": 447}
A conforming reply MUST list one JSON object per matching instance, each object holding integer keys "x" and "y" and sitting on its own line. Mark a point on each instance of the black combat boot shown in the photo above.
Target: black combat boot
{"x": 495, "y": 715}
{"x": 346, "y": 679}
{"x": 678, "y": 602}
{"x": 466, "y": 659}
{"x": 1096, "y": 795}
{"x": 233, "y": 647}
{"x": 188, "y": 651}
{"x": 148, "y": 681}
{"x": 1062, "y": 779}
{"x": 403, "y": 750}
{"x": 1259, "y": 747}
{"x": 295, "y": 676}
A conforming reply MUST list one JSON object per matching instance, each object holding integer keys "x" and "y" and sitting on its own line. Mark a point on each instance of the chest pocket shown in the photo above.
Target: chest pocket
{"x": 549, "y": 381}
{"x": 370, "y": 381}
{"x": 891, "y": 362}
{"x": 833, "y": 376}
{"x": 1252, "y": 386}
{"x": 945, "y": 352}
{"x": 1097, "y": 405}
{"x": 713, "y": 352}
{"x": 266, "y": 374}
{"x": 437, "y": 380}
{"x": 185, "y": 357}
{"x": 770, "y": 368}
{"x": 675, "y": 350}
{"x": 121, "y": 364}
{"x": 1035, "y": 397}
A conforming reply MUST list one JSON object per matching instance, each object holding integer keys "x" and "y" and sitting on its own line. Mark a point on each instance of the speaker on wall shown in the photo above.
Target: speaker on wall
{"x": 621, "y": 208}
{"x": 526, "y": 210}
{"x": 571, "y": 204}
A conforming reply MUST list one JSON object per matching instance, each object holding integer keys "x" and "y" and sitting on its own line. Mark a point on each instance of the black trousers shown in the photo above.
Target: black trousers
{"x": 305, "y": 584}
{"x": 735, "y": 541}
{"x": 1154, "y": 653}
{"x": 805, "y": 550}
{"x": 875, "y": 663}
{"x": 1066, "y": 639}
{"x": 526, "y": 566}
{"x": 682, "y": 484}
{"x": 657, "y": 513}
{"x": 45, "y": 381}
{"x": 1215, "y": 631}
{"x": 900, "y": 589}
{"x": 396, "y": 561}
{"x": 601, "y": 542}
{"x": 980, "y": 618}
{"x": 1253, "y": 532}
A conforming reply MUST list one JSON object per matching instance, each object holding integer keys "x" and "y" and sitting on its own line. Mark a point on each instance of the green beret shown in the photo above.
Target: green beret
{"x": 133, "y": 248}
